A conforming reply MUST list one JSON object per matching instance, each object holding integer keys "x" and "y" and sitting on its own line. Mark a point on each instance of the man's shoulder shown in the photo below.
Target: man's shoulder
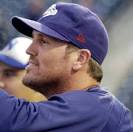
{"x": 93, "y": 96}
{"x": 95, "y": 100}
{"x": 99, "y": 105}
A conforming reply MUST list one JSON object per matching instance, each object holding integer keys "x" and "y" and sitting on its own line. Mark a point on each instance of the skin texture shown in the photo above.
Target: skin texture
{"x": 51, "y": 70}
{"x": 11, "y": 81}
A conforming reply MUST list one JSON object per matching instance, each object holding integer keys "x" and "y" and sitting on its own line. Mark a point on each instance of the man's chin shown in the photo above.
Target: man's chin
{"x": 28, "y": 81}
{"x": 32, "y": 83}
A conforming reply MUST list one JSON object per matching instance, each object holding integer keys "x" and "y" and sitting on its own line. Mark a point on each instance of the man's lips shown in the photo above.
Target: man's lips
{"x": 31, "y": 64}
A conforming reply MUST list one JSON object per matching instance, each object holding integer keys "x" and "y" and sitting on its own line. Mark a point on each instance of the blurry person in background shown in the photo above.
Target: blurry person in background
{"x": 86, "y": 3}
{"x": 13, "y": 60}
{"x": 34, "y": 9}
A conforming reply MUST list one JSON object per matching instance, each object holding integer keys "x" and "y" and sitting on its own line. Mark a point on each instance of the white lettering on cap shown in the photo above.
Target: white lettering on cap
{"x": 50, "y": 11}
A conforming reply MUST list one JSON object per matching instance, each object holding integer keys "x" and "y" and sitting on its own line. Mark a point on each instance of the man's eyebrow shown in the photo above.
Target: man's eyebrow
{"x": 44, "y": 36}
{"x": 37, "y": 33}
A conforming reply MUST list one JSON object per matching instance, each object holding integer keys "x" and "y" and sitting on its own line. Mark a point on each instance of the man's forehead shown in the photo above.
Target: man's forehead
{"x": 36, "y": 33}
{"x": 41, "y": 35}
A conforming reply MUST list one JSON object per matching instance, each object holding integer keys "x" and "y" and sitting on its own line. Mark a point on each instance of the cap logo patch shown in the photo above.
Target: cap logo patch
{"x": 81, "y": 38}
{"x": 50, "y": 11}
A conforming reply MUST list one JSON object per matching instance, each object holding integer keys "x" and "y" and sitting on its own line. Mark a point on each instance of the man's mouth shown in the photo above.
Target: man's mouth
{"x": 31, "y": 64}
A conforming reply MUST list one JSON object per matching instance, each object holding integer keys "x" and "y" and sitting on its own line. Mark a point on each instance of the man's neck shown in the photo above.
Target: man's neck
{"x": 75, "y": 83}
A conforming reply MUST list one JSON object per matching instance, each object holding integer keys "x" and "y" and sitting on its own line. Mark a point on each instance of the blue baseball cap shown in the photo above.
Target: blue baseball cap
{"x": 14, "y": 53}
{"x": 72, "y": 23}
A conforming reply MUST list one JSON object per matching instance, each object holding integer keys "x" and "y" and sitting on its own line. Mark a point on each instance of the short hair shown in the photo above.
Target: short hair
{"x": 94, "y": 69}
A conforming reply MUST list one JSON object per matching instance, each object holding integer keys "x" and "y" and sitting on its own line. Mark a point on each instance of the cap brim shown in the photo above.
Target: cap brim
{"x": 11, "y": 62}
{"x": 26, "y": 27}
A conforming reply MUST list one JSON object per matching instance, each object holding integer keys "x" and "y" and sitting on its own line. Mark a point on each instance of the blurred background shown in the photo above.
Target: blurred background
{"x": 117, "y": 17}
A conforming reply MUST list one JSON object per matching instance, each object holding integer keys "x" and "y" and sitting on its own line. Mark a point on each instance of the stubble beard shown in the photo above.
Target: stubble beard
{"x": 47, "y": 86}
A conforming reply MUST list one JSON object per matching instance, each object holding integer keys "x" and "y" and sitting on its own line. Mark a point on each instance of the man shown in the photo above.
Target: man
{"x": 13, "y": 59}
{"x": 69, "y": 45}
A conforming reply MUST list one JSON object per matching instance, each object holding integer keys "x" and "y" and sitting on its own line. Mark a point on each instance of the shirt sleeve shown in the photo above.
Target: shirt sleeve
{"x": 19, "y": 115}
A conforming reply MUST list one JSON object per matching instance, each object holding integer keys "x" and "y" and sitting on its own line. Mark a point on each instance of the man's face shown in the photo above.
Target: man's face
{"x": 11, "y": 81}
{"x": 49, "y": 67}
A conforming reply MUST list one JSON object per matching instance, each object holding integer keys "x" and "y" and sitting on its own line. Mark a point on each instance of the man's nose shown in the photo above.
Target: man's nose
{"x": 32, "y": 50}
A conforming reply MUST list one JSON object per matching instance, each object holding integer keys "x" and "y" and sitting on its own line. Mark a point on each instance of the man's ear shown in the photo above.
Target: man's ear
{"x": 83, "y": 58}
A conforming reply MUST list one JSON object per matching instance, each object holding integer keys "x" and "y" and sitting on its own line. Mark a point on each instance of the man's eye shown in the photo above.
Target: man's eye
{"x": 43, "y": 42}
